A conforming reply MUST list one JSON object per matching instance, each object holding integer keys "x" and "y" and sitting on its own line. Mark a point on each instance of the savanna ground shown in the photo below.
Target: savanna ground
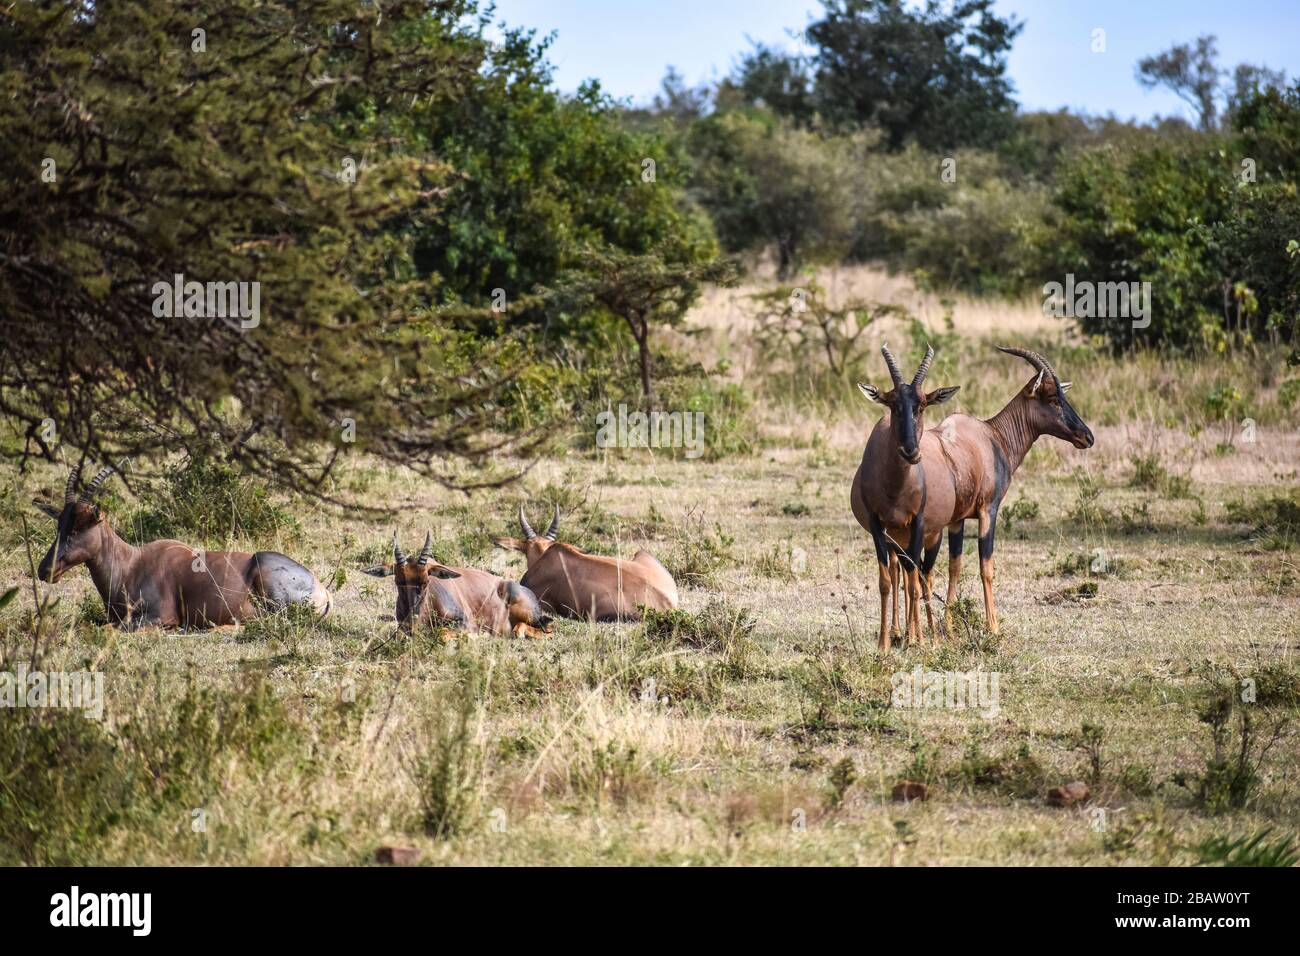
{"x": 1141, "y": 586}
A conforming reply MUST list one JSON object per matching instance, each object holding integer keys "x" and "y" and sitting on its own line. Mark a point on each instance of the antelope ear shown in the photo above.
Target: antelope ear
{"x": 44, "y": 506}
{"x": 511, "y": 544}
{"x": 442, "y": 571}
{"x": 871, "y": 392}
{"x": 378, "y": 570}
{"x": 1038, "y": 384}
{"x": 1066, "y": 386}
{"x": 941, "y": 395}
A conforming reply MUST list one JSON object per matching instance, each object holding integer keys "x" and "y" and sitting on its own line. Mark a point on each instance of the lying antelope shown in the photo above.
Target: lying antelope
{"x": 983, "y": 455}
{"x": 431, "y": 594}
{"x": 575, "y": 584}
{"x": 900, "y": 488}
{"x": 167, "y": 583}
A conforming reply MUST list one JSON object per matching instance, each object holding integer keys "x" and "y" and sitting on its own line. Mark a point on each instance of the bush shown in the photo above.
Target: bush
{"x": 207, "y": 496}
{"x": 64, "y": 785}
{"x": 1274, "y": 522}
{"x": 447, "y": 771}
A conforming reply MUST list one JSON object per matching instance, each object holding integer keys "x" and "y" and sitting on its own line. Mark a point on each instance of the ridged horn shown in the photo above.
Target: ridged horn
{"x": 1033, "y": 358}
{"x": 426, "y": 553}
{"x": 925, "y": 367}
{"x": 70, "y": 489}
{"x": 96, "y": 483}
{"x": 554, "y": 529}
{"x": 894, "y": 373}
{"x": 399, "y": 556}
{"x": 529, "y": 533}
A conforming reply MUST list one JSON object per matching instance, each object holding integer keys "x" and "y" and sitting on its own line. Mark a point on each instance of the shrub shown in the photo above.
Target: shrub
{"x": 447, "y": 771}
{"x": 699, "y": 552}
{"x": 207, "y": 496}
{"x": 1274, "y": 521}
{"x": 64, "y": 785}
{"x": 1253, "y": 850}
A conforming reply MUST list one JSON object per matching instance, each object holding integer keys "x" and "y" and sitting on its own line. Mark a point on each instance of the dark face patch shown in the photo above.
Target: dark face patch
{"x": 905, "y": 421}
{"x": 73, "y": 542}
{"x": 1055, "y": 416}
{"x": 413, "y": 580}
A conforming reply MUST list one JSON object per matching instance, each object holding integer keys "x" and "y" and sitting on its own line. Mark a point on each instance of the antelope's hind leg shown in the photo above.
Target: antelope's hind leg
{"x": 895, "y": 577}
{"x": 927, "y": 585}
{"x": 988, "y": 522}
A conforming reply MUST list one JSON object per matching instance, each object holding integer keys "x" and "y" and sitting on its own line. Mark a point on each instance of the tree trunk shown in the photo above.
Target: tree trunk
{"x": 641, "y": 331}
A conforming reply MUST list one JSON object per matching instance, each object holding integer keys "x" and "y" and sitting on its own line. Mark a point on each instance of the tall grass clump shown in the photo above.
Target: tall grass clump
{"x": 208, "y": 496}
{"x": 448, "y": 769}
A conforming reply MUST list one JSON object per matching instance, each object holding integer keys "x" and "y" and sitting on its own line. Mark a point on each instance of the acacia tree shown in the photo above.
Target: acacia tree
{"x": 645, "y": 291}
{"x": 239, "y": 141}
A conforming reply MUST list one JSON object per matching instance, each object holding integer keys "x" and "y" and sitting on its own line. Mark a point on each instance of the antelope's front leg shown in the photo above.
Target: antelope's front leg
{"x": 884, "y": 555}
{"x": 988, "y": 522}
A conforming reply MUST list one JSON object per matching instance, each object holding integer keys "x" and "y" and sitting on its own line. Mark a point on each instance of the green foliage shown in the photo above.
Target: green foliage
{"x": 721, "y": 627}
{"x": 64, "y": 785}
{"x": 1016, "y": 773}
{"x": 766, "y": 182}
{"x": 934, "y": 75}
{"x": 1254, "y": 849}
{"x": 1022, "y": 509}
{"x": 699, "y": 552}
{"x": 1125, "y": 216}
{"x": 187, "y": 746}
{"x": 1232, "y": 775}
{"x": 1274, "y": 521}
{"x": 244, "y": 178}
{"x": 447, "y": 770}
{"x": 208, "y": 496}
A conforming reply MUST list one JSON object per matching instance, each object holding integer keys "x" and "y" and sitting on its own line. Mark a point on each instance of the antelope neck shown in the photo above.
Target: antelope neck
{"x": 109, "y": 566}
{"x": 1013, "y": 431}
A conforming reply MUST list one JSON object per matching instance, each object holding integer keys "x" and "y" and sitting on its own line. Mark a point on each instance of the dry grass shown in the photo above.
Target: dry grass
{"x": 600, "y": 746}
{"x": 1123, "y": 602}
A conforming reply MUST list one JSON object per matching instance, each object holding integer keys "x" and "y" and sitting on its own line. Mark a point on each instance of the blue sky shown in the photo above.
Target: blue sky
{"x": 627, "y": 44}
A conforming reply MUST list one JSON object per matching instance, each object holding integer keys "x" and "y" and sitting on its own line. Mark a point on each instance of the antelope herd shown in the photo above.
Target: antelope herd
{"x": 911, "y": 485}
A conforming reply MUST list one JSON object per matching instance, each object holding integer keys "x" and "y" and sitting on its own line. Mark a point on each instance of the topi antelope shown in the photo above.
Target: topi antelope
{"x": 899, "y": 488}
{"x": 982, "y": 457}
{"x": 431, "y": 594}
{"x": 167, "y": 583}
{"x": 575, "y": 584}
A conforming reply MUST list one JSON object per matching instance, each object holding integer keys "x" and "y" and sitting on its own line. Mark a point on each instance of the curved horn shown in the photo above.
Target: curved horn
{"x": 1033, "y": 358}
{"x": 96, "y": 483}
{"x": 399, "y": 556}
{"x": 925, "y": 366}
{"x": 554, "y": 529}
{"x": 894, "y": 373}
{"x": 427, "y": 551}
{"x": 70, "y": 490}
{"x": 529, "y": 533}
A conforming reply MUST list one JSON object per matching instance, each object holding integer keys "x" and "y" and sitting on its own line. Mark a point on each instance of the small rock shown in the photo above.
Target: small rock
{"x": 905, "y": 791}
{"x": 1067, "y": 795}
{"x": 397, "y": 855}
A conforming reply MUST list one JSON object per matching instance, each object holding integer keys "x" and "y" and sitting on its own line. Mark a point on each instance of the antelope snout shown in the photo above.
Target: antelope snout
{"x": 1083, "y": 439}
{"x": 913, "y": 456}
{"x": 47, "y": 572}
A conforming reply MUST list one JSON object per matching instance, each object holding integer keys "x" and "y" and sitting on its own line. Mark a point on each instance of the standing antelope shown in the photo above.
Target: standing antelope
{"x": 167, "y": 583}
{"x": 897, "y": 491}
{"x": 576, "y": 584}
{"x": 430, "y": 593}
{"x": 982, "y": 456}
